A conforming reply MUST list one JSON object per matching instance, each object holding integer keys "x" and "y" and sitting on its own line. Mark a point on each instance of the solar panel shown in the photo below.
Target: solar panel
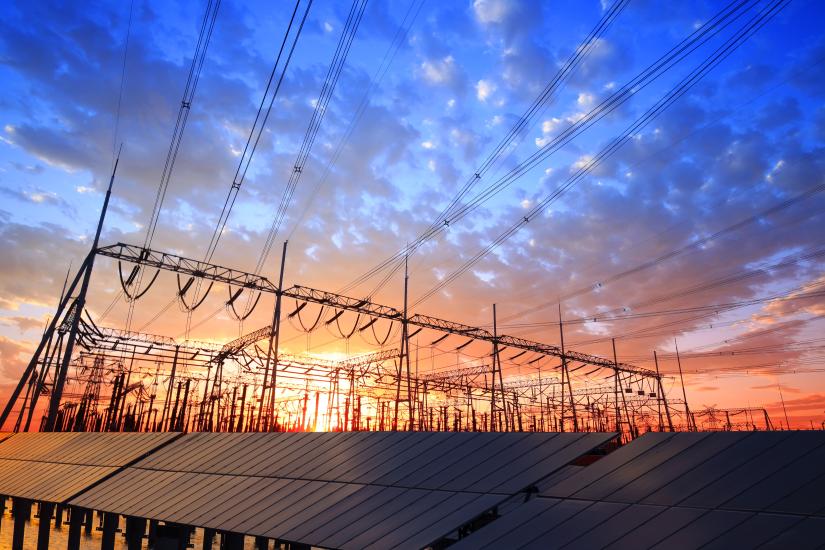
{"x": 715, "y": 468}
{"x": 776, "y": 461}
{"x": 53, "y": 467}
{"x": 341, "y": 490}
{"x": 757, "y": 529}
{"x": 686, "y": 490}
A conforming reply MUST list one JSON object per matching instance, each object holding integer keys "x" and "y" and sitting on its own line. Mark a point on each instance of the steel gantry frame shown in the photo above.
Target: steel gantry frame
{"x": 70, "y": 326}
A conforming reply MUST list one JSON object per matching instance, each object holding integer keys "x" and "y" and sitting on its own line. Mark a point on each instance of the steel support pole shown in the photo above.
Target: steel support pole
{"x": 406, "y": 336}
{"x": 232, "y": 541}
{"x": 567, "y": 372}
{"x": 22, "y": 513}
{"x": 208, "y": 539}
{"x": 76, "y": 517}
{"x": 110, "y": 523}
{"x": 45, "y": 527}
{"x": 80, "y": 304}
{"x": 690, "y": 426}
{"x": 497, "y": 367}
{"x": 274, "y": 344}
{"x": 135, "y": 529}
{"x": 616, "y": 390}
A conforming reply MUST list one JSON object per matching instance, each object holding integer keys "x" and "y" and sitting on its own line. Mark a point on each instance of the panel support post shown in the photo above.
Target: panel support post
{"x": 135, "y": 528}
{"x": 170, "y": 537}
{"x": 231, "y": 541}
{"x": 45, "y": 527}
{"x": 22, "y": 513}
{"x": 90, "y": 519}
{"x": 76, "y": 517}
{"x": 208, "y": 538}
{"x": 58, "y": 516}
{"x": 110, "y": 522}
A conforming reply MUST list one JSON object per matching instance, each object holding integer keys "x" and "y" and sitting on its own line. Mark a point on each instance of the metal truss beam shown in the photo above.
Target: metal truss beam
{"x": 193, "y": 268}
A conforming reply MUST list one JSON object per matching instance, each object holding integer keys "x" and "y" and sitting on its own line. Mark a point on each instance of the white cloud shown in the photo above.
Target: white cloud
{"x": 548, "y": 127}
{"x": 327, "y": 26}
{"x": 431, "y": 165}
{"x": 484, "y": 88}
{"x": 491, "y": 11}
{"x": 585, "y": 99}
{"x": 428, "y": 144}
{"x": 440, "y": 71}
{"x": 582, "y": 161}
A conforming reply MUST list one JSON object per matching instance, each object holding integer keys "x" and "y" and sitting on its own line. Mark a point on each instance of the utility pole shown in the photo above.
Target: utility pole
{"x": 497, "y": 367}
{"x": 684, "y": 393}
{"x": 406, "y": 342}
{"x": 662, "y": 396}
{"x": 566, "y": 372}
{"x": 785, "y": 410}
{"x": 274, "y": 342}
{"x": 79, "y": 305}
{"x": 624, "y": 400}
{"x": 616, "y": 389}
{"x": 167, "y": 400}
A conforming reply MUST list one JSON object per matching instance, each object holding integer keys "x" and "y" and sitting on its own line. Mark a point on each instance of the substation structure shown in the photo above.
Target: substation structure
{"x": 94, "y": 378}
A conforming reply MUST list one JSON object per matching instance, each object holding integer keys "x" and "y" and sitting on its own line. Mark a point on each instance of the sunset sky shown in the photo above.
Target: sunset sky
{"x": 649, "y": 244}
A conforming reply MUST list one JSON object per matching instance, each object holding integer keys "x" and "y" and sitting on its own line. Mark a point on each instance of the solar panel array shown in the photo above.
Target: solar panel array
{"x": 687, "y": 490}
{"x": 336, "y": 490}
{"x": 53, "y": 467}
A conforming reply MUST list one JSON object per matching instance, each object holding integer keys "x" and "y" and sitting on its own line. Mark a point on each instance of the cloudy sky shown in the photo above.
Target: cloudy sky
{"x": 705, "y": 226}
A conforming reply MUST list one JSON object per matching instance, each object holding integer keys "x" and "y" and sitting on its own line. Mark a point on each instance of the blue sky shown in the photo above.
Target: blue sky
{"x": 746, "y": 137}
